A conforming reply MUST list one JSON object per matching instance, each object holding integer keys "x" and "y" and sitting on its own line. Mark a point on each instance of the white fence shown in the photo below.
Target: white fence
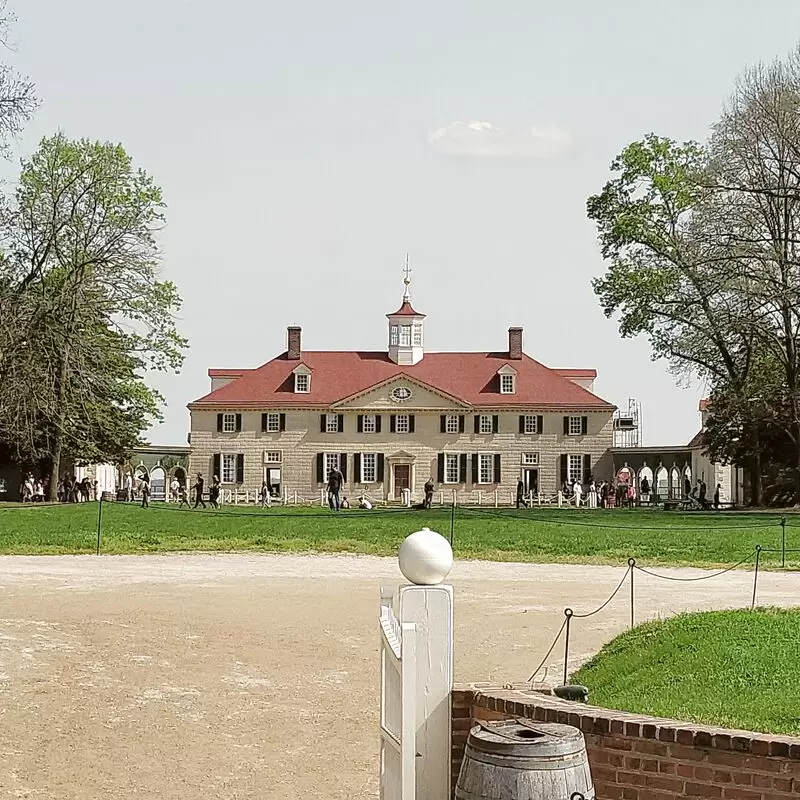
{"x": 398, "y": 704}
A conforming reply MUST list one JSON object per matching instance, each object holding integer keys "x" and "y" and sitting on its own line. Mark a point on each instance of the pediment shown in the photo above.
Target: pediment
{"x": 388, "y": 396}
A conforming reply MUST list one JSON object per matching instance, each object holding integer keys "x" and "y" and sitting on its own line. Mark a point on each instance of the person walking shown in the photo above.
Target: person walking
{"x": 701, "y": 494}
{"x": 521, "y": 494}
{"x": 428, "y": 493}
{"x": 213, "y": 492}
{"x": 591, "y": 499}
{"x": 182, "y": 498}
{"x": 145, "y": 491}
{"x": 198, "y": 487}
{"x": 128, "y": 487}
{"x": 717, "y": 492}
{"x": 173, "y": 489}
{"x": 335, "y": 481}
{"x": 266, "y": 500}
{"x": 578, "y": 493}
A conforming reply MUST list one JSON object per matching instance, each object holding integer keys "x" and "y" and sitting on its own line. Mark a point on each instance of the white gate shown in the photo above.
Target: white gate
{"x": 398, "y": 704}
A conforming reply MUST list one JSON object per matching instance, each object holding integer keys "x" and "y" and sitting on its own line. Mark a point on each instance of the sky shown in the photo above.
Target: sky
{"x": 305, "y": 147}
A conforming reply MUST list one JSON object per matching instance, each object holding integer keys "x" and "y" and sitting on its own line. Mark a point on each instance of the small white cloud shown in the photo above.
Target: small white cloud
{"x": 481, "y": 139}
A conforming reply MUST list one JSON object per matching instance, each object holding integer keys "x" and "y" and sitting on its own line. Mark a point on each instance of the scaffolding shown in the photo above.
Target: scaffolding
{"x": 628, "y": 425}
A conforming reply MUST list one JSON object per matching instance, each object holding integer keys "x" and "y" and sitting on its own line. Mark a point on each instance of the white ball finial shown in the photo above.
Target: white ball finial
{"x": 425, "y": 557}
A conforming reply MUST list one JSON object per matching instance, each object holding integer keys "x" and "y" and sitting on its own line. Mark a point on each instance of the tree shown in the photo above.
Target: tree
{"x": 80, "y": 281}
{"x": 663, "y": 231}
{"x": 18, "y": 98}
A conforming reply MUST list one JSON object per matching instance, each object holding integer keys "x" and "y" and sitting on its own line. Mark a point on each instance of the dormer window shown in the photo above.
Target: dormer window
{"x": 508, "y": 379}
{"x": 302, "y": 379}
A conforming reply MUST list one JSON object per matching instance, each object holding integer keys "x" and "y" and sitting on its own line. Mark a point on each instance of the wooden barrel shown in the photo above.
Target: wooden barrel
{"x": 524, "y": 760}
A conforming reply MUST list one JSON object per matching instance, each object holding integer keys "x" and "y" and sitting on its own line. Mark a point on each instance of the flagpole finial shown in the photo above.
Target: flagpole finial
{"x": 406, "y": 279}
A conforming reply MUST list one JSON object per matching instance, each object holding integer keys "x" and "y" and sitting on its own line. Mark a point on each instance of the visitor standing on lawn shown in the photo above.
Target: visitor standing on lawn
{"x": 198, "y": 487}
{"x": 335, "y": 481}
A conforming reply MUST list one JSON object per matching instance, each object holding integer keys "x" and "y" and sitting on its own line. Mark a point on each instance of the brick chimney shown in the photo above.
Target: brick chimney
{"x": 293, "y": 349}
{"x": 515, "y": 343}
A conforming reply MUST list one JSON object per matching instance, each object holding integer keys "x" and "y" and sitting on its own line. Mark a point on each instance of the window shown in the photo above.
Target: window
{"x": 530, "y": 424}
{"x": 394, "y": 335}
{"x": 486, "y": 468}
{"x": 575, "y": 468}
{"x": 405, "y": 336}
{"x": 418, "y": 336}
{"x": 451, "y": 471}
{"x": 401, "y": 423}
{"x": 369, "y": 467}
{"x": 530, "y": 459}
{"x": 273, "y": 422}
{"x": 452, "y": 424}
{"x": 272, "y": 457}
{"x": 506, "y": 384}
{"x": 302, "y": 383}
{"x": 331, "y": 462}
{"x": 369, "y": 424}
{"x": 485, "y": 425}
{"x": 228, "y": 468}
{"x": 331, "y": 423}
{"x": 229, "y": 423}
{"x": 575, "y": 426}
{"x": 401, "y": 393}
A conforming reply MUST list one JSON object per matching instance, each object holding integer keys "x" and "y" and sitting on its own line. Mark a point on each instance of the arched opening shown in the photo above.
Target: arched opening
{"x": 645, "y": 484}
{"x": 675, "y": 484}
{"x": 158, "y": 483}
{"x": 179, "y": 473}
{"x": 662, "y": 483}
{"x": 686, "y": 485}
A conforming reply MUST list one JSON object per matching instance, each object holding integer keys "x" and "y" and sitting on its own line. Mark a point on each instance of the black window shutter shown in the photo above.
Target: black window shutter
{"x": 522, "y": 423}
{"x": 462, "y": 476}
{"x": 380, "y": 466}
{"x": 584, "y": 425}
{"x": 392, "y": 419}
{"x": 282, "y": 424}
{"x": 474, "y": 467}
{"x": 477, "y": 423}
{"x": 219, "y": 423}
{"x": 443, "y": 424}
{"x": 343, "y": 466}
{"x": 238, "y": 423}
{"x": 540, "y": 424}
{"x": 359, "y": 478}
{"x": 497, "y": 476}
{"x": 240, "y": 468}
{"x": 563, "y": 470}
{"x": 566, "y": 425}
{"x": 360, "y": 424}
{"x": 411, "y": 426}
{"x": 495, "y": 424}
{"x": 440, "y": 465}
{"x": 216, "y": 467}
{"x": 322, "y": 423}
{"x": 587, "y": 468}
{"x": 320, "y": 467}
{"x": 340, "y": 423}
{"x": 264, "y": 418}
{"x": 461, "y": 423}
{"x": 378, "y": 423}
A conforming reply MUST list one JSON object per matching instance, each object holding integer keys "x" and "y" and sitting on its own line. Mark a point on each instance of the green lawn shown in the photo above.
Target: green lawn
{"x": 737, "y": 669}
{"x": 652, "y": 537}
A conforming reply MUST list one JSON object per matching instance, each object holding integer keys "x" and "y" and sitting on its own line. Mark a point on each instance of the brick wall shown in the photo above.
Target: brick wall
{"x": 302, "y": 440}
{"x": 644, "y": 758}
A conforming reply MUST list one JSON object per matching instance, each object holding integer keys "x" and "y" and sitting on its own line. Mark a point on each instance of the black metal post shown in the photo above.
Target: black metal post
{"x": 99, "y": 523}
{"x": 452, "y": 522}
{"x": 632, "y": 568}
{"x": 568, "y": 614}
{"x": 755, "y": 576}
{"x": 783, "y": 541}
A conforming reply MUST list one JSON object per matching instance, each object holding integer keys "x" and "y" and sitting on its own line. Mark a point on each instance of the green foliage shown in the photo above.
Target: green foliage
{"x": 83, "y": 312}
{"x": 735, "y": 669}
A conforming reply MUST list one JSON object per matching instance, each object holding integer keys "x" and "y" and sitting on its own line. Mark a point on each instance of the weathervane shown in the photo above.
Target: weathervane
{"x": 406, "y": 279}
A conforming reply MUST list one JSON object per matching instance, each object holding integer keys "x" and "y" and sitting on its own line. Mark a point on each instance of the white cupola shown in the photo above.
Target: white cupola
{"x": 406, "y": 334}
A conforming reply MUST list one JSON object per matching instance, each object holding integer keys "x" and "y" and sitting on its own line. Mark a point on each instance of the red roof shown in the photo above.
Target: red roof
{"x": 698, "y": 440}
{"x": 470, "y": 378}
{"x": 577, "y": 373}
{"x": 227, "y": 373}
{"x": 406, "y": 310}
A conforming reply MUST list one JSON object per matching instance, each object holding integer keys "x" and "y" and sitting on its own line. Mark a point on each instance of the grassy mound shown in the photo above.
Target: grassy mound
{"x": 737, "y": 669}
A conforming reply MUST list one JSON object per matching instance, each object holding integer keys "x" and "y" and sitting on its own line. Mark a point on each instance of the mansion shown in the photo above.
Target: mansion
{"x": 393, "y": 419}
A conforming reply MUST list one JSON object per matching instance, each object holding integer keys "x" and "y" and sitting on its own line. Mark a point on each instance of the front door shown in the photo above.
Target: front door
{"x": 402, "y": 479}
{"x": 531, "y": 481}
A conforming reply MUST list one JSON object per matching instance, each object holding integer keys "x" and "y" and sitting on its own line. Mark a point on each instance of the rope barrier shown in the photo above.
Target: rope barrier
{"x": 261, "y": 513}
{"x": 699, "y": 577}
{"x": 613, "y": 595}
{"x": 552, "y": 647}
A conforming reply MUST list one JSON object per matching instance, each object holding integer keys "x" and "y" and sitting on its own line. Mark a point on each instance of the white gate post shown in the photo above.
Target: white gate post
{"x": 424, "y": 614}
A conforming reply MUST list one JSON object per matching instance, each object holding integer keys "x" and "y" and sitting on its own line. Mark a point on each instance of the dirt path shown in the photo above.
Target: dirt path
{"x": 247, "y": 676}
